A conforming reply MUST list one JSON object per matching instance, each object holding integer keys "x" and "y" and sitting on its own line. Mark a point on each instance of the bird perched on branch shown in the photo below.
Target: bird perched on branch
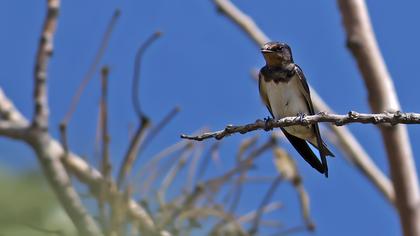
{"x": 285, "y": 92}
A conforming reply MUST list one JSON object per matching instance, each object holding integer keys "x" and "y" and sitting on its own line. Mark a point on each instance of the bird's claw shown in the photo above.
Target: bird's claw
{"x": 301, "y": 116}
{"x": 267, "y": 121}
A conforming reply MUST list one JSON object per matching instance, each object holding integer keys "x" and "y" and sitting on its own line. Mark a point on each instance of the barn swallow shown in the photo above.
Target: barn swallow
{"x": 285, "y": 92}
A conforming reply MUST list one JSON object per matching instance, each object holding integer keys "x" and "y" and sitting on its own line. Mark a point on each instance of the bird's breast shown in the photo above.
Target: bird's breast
{"x": 286, "y": 99}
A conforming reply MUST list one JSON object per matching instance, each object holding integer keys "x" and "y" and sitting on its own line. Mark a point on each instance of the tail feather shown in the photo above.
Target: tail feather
{"x": 305, "y": 151}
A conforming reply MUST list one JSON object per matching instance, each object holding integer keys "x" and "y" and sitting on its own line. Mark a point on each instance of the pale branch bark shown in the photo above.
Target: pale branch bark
{"x": 45, "y": 50}
{"x": 8, "y": 111}
{"x": 348, "y": 143}
{"x": 81, "y": 169}
{"x": 356, "y": 154}
{"x": 93, "y": 178}
{"x": 383, "y": 97}
{"x": 38, "y": 138}
{"x": 392, "y": 118}
{"x": 245, "y": 22}
{"x": 13, "y": 130}
{"x": 49, "y": 154}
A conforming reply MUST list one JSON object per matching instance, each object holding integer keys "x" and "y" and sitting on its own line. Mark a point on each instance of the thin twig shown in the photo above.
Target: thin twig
{"x": 392, "y": 118}
{"x": 237, "y": 188}
{"x": 93, "y": 67}
{"x": 140, "y": 141}
{"x": 192, "y": 170}
{"x": 144, "y": 123}
{"x": 253, "y": 214}
{"x": 214, "y": 184}
{"x": 136, "y": 75}
{"x": 255, "y": 224}
{"x": 156, "y": 129}
{"x": 93, "y": 178}
{"x": 171, "y": 175}
{"x": 105, "y": 165}
{"x": 206, "y": 160}
{"x": 132, "y": 152}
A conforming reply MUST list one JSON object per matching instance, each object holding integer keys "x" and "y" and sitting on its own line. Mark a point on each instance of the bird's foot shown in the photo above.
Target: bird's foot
{"x": 301, "y": 116}
{"x": 267, "y": 123}
{"x": 268, "y": 118}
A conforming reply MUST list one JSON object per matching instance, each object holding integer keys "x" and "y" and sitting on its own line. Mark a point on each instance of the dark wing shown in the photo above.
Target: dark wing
{"x": 323, "y": 151}
{"x": 263, "y": 93}
{"x": 305, "y": 151}
{"x": 299, "y": 144}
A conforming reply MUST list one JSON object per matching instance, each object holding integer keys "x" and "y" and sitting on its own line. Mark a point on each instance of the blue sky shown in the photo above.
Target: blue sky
{"x": 203, "y": 64}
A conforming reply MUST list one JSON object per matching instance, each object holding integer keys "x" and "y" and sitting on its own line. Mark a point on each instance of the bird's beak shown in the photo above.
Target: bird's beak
{"x": 263, "y": 50}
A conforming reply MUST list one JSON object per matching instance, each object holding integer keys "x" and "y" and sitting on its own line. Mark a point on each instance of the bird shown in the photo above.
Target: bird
{"x": 285, "y": 92}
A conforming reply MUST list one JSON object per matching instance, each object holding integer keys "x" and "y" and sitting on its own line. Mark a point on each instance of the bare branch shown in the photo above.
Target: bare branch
{"x": 13, "y": 130}
{"x": 392, "y": 118}
{"x": 105, "y": 165}
{"x": 82, "y": 170}
{"x": 254, "y": 229}
{"x": 266, "y": 209}
{"x": 172, "y": 173}
{"x": 356, "y": 154}
{"x": 136, "y": 74}
{"x": 45, "y": 50}
{"x": 93, "y": 178}
{"x": 49, "y": 153}
{"x": 144, "y": 123}
{"x": 93, "y": 67}
{"x": 288, "y": 171}
{"x": 132, "y": 152}
{"x": 245, "y": 22}
{"x": 383, "y": 97}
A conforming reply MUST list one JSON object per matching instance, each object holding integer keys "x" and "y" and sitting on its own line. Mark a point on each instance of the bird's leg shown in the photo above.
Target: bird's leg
{"x": 267, "y": 120}
{"x": 301, "y": 116}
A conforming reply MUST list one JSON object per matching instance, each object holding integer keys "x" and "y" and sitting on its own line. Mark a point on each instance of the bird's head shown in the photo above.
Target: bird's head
{"x": 277, "y": 54}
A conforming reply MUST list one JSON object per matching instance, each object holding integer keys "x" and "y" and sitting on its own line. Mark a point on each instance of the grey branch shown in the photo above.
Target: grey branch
{"x": 76, "y": 165}
{"x": 392, "y": 118}
{"x": 37, "y": 136}
{"x": 348, "y": 143}
{"x": 383, "y": 97}
{"x": 45, "y": 49}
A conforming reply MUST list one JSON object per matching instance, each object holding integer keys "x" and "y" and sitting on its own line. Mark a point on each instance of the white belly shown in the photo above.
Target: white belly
{"x": 287, "y": 100}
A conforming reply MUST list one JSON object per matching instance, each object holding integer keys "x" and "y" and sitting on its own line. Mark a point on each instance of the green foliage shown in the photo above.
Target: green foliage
{"x": 29, "y": 207}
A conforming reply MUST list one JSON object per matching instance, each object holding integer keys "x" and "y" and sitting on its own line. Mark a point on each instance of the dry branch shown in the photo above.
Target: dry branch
{"x": 82, "y": 170}
{"x": 48, "y": 152}
{"x": 357, "y": 155}
{"x": 383, "y": 97}
{"x": 93, "y": 67}
{"x": 392, "y": 118}
{"x": 144, "y": 123}
{"x": 45, "y": 50}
